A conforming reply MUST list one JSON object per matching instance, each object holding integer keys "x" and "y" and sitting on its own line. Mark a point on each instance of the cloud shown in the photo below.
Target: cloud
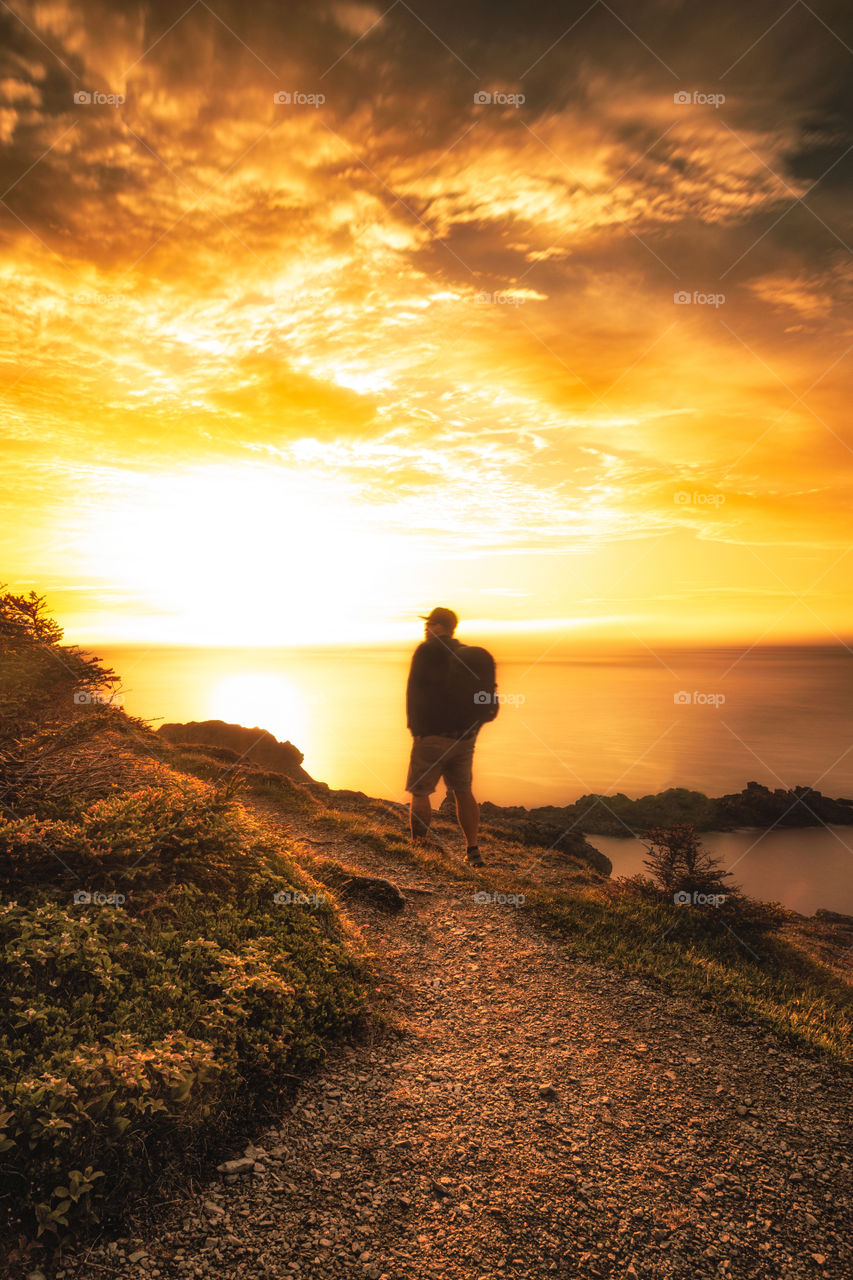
{"x": 465, "y": 309}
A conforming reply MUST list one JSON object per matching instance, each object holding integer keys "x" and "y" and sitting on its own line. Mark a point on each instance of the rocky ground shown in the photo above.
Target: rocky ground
{"x": 525, "y": 1115}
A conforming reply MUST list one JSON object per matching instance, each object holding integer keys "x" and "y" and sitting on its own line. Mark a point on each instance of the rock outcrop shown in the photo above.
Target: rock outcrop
{"x": 618, "y": 815}
{"x": 252, "y": 746}
{"x": 560, "y": 842}
{"x": 758, "y": 806}
{"x": 376, "y": 890}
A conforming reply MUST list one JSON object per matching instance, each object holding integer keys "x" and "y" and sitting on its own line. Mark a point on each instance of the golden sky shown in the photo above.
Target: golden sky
{"x": 292, "y": 371}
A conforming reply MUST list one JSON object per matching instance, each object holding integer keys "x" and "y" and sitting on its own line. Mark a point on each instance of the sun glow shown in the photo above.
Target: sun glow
{"x": 255, "y": 698}
{"x": 249, "y": 555}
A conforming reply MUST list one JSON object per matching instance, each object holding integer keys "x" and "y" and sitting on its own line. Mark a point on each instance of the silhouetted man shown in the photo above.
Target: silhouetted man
{"x": 450, "y": 694}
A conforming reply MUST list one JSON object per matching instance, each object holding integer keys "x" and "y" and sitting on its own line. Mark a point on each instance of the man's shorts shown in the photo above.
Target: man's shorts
{"x": 437, "y": 757}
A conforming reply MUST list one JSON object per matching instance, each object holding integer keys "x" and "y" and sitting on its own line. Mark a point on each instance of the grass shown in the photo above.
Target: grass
{"x": 762, "y": 981}
{"x": 392, "y": 841}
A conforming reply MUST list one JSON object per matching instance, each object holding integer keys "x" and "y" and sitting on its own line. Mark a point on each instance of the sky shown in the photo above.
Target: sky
{"x": 317, "y": 315}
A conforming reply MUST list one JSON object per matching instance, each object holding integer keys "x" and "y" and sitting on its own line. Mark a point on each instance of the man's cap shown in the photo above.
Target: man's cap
{"x": 444, "y": 617}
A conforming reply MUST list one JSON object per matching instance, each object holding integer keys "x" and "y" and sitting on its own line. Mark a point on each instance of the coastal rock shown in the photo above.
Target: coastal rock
{"x": 758, "y": 806}
{"x": 619, "y": 815}
{"x": 253, "y": 746}
{"x": 563, "y": 846}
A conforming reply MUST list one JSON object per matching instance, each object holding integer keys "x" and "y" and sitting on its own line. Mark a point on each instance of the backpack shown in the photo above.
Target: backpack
{"x": 472, "y": 690}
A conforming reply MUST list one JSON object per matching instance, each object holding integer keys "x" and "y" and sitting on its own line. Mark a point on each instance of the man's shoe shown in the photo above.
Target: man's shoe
{"x": 472, "y": 857}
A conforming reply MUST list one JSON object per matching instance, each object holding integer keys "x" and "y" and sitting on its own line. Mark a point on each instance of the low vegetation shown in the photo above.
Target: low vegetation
{"x": 684, "y": 927}
{"x": 168, "y": 969}
{"x": 695, "y": 954}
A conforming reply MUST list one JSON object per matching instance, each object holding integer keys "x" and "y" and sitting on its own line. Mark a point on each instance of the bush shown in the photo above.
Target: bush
{"x": 681, "y": 866}
{"x": 152, "y": 840}
{"x": 137, "y": 1033}
{"x": 689, "y": 879}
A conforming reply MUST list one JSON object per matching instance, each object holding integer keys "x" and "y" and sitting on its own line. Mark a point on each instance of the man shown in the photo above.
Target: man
{"x": 449, "y": 696}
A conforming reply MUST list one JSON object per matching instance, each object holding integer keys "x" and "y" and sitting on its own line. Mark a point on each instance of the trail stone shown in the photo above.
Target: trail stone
{"x": 242, "y": 1164}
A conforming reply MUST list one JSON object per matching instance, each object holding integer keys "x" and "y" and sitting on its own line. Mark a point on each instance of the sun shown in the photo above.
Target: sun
{"x": 245, "y": 555}
{"x": 255, "y": 698}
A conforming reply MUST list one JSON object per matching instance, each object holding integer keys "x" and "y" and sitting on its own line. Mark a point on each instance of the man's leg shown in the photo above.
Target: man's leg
{"x": 458, "y": 775}
{"x": 468, "y": 816}
{"x": 423, "y": 775}
{"x": 421, "y": 816}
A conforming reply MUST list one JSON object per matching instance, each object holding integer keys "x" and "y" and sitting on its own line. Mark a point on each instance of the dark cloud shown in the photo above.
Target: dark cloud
{"x": 400, "y": 96}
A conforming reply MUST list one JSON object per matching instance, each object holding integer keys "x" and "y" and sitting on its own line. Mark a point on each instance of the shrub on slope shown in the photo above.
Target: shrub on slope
{"x": 192, "y": 983}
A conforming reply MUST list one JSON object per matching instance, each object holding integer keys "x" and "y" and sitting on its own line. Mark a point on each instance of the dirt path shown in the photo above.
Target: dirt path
{"x": 531, "y": 1116}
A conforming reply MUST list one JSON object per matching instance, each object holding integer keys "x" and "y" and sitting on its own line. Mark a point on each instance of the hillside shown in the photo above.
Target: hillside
{"x": 169, "y": 970}
{"x": 248, "y": 1030}
{"x": 545, "y": 1098}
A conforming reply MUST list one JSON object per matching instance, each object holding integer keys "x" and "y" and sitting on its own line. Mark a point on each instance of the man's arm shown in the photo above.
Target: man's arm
{"x": 416, "y": 692}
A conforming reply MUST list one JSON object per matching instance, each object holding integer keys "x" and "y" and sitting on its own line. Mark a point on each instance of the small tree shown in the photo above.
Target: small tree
{"x": 54, "y": 703}
{"x": 38, "y": 674}
{"x": 679, "y": 864}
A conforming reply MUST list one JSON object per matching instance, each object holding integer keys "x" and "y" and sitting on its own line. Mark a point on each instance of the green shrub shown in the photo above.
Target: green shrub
{"x": 149, "y": 841}
{"x": 154, "y": 992}
{"x": 136, "y": 1034}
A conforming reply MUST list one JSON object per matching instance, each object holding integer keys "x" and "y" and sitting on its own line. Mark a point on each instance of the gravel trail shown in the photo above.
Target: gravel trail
{"x": 526, "y": 1115}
